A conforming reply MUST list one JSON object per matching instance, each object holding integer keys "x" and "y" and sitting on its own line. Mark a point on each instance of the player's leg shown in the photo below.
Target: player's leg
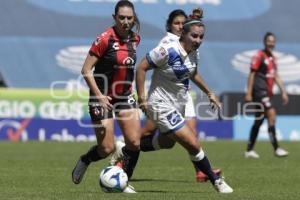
{"x": 170, "y": 121}
{"x": 148, "y": 142}
{"x": 191, "y": 121}
{"x": 200, "y": 176}
{"x": 149, "y": 128}
{"x": 105, "y": 143}
{"x": 190, "y": 143}
{"x": 184, "y": 137}
{"x": 129, "y": 123}
{"x": 151, "y": 139}
{"x": 271, "y": 116}
{"x": 190, "y": 114}
{"x": 259, "y": 118}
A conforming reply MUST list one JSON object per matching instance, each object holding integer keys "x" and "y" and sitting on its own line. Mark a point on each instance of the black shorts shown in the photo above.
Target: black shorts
{"x": 264, "y": 99}
{"x": 97, "y": 112}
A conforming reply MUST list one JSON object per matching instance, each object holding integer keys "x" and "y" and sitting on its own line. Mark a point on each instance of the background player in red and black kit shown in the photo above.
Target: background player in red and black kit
{"x": 113, "y": 56}
{"x": 260, "y": 84}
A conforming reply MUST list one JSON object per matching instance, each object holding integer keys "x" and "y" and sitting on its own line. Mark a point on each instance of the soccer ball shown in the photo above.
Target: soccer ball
{"x": 113, "y": 179}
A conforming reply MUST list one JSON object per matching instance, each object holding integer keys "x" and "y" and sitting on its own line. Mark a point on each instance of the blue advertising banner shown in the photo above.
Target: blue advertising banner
{"x": 80, "y": 131}
{"x": 44, "y": 129}
{"x": 287, "y": 128}
{"x": 215, "y": 129}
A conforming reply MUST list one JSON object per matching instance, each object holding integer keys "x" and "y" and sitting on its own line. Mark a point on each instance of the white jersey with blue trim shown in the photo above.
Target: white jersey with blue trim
{"x": 172, "y": 70}
{"x": 189, "y": 108}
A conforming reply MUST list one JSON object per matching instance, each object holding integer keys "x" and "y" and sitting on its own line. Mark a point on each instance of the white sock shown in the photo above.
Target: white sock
{"x": 198, "y": 156}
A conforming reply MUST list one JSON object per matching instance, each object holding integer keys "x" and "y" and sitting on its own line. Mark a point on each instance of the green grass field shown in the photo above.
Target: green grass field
{"x": 36, "y": 170}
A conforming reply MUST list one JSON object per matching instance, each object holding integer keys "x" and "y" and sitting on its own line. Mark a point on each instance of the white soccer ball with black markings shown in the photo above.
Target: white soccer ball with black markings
{"x": 113, "y": 179}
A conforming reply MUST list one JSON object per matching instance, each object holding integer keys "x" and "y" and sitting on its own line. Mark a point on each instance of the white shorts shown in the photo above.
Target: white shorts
{"x": 166, "y": 116}
{"x": 189, "y": 107}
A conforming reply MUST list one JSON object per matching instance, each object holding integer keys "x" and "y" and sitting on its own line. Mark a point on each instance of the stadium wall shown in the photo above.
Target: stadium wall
{"x": 60, "y": 115}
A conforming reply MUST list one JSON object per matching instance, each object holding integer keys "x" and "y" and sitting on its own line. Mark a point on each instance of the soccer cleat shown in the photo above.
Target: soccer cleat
{"x": 129, "y": 189}
{"x": 117, "y": 154}
{"x": 78, "y": 171}
{"x": 281, "y": 152}
{"x": 222, "y": 187}
{"x": 201, "y": 177}
{"x": 251, "y": 154}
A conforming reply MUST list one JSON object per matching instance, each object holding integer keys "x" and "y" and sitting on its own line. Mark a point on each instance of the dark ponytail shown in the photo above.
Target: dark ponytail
{"x": 197, "y": 13}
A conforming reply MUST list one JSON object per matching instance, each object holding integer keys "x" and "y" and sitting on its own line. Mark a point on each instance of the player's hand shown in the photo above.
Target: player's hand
{"x": 285, "y": 98}
{"x": 214, "y": 101}
{"x": 104, "y": 102}
{"x": 248, "y": 97}
{"x": 143, "y": 104}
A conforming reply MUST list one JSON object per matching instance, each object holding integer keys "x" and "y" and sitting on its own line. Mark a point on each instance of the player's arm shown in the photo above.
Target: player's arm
{"x": 254, "y": 67}
{"x": 280, "y": 84}
{"x": 198, "y": 80}
{"x": 250, "y": 82}
{"x": 87, "y": 72}
{"x": 142, "y": 67}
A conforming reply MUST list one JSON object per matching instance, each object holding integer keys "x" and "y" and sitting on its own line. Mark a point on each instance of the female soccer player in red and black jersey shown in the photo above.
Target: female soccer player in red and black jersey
{"x": 113, "y": 57}
{"x": 260, "y": 84}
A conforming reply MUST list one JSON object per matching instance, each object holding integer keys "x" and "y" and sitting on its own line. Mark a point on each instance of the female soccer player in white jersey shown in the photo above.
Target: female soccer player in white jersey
{"x": 151, "y": 139}
{"x": 174, "y": 64}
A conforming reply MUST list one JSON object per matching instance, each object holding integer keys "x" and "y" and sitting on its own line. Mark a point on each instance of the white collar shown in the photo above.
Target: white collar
{"x": 181, "y": 49}
{"x": 172, "y": 36}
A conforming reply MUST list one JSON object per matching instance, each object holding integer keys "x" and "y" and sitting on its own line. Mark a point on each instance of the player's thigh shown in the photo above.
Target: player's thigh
{"x": 104, "y": 131}
{"x": 129, "y": 123}
{"x": 192, "y": 123}
{"x": 149, "y": 128}
{"x": 185, "y": 138}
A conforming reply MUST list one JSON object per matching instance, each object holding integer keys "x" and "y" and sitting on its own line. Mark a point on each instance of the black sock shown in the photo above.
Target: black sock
{"x": 196, "y": 168}
{"x": 205, "y": 167}
{"x": 253, "y": 136}
{"x": 272, "y": 134}
{"x": 91, "y": 156}
{"x": 130, "y": 159}
{"x": 146, "y": 143}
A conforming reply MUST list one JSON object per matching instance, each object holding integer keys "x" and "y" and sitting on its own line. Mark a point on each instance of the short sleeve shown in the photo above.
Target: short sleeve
{"x": 100, "y": 45}
{"x": 256, "y": 61}
{"x": 158, "y": 57}
{"x": 137, "y": 39}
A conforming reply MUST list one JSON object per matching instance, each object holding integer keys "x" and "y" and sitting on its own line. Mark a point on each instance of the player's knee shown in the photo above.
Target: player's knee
{"x": 107, "y": 149}
{"x": 194, "y": 148}
{"x": 133, "y": 144}
{"x": 258, "y": 123}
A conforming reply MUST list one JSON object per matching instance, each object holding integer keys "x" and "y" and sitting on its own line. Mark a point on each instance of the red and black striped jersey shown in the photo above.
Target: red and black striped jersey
{"x": 264, "y": 64}
{"x": 114, "y": 71}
